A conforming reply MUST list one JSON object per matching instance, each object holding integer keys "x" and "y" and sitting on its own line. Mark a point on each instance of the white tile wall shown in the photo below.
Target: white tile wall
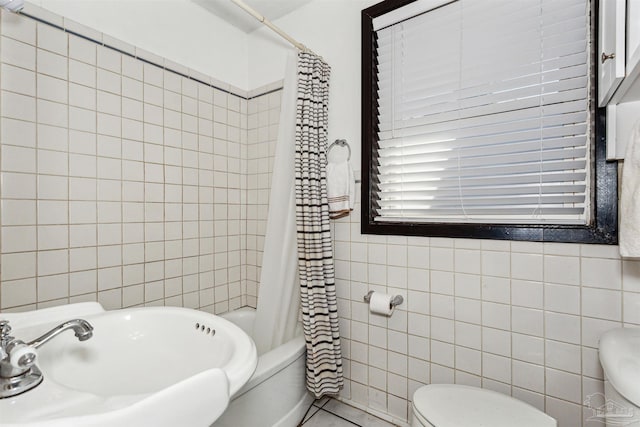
{"x": 521, "y": 318}
{"x": 122, "y": 182}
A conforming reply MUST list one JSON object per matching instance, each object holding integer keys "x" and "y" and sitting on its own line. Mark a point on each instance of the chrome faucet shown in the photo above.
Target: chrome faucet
{"x": 82, "y": 329}
{"x": 18, "y": 372}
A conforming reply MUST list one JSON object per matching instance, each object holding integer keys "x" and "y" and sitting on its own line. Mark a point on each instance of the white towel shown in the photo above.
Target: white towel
{"x": 341, "y": 189}
{"x": 630, "y": 197}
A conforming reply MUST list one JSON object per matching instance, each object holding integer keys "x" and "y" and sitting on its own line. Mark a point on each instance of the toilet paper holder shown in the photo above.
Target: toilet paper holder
{"x": 397, "y": 300}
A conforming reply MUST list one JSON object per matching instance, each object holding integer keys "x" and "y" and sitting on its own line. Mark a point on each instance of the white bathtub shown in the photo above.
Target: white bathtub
{"x": 276, "y": 395}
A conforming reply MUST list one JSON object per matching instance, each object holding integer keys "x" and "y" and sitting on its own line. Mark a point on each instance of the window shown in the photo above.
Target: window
{"x": 478, "y": 122}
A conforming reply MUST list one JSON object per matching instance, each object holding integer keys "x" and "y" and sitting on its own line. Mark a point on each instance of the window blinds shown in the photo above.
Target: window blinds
{"x": 483, "y": 113}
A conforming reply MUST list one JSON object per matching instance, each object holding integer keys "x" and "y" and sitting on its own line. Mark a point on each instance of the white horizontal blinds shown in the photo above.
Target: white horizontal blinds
{"x": 484, "y": 114}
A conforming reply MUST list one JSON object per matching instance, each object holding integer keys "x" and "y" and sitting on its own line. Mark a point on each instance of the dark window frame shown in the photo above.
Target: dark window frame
{"x": 603, "y": 227}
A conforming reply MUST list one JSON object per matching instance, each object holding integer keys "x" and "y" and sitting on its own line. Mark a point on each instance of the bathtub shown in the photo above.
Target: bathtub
{"x": 276, "y": 395}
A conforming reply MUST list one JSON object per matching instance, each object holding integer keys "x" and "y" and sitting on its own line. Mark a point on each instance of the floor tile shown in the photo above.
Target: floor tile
{"x": 326, "y": 419}
{"x": 354, "y": 415}
{"x": 310, "y": 413}
{"x": 322, "y": 401}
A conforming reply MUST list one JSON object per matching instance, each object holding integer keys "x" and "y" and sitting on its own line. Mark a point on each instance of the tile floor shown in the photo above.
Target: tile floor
{"x": 333, "y": 413}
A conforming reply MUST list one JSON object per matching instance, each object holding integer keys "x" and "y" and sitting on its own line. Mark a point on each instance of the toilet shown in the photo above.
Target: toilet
{"x": 450, "y": 405}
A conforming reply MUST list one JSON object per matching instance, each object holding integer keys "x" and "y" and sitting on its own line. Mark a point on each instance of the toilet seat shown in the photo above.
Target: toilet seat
{"x": 449, "y": 405}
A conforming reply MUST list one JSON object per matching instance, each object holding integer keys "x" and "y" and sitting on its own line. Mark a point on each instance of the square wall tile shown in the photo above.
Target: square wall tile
{"x": 526, "y": 266}
{"x": 602, "y": 303}
{"x": 602, "y": 273}
{"x": 17, "y": 53}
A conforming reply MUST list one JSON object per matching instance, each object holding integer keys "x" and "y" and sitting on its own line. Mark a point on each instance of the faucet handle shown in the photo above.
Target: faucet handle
{"x": 5, "y": 329}
{"x": 22, "y": 356}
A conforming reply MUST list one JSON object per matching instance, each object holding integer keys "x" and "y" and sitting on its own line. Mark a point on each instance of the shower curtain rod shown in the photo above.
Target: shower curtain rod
{"x": 273, "y": 27}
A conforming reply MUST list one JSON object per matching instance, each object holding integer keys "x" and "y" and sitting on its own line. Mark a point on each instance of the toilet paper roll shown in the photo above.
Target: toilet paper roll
{"x": 381, "y": 304}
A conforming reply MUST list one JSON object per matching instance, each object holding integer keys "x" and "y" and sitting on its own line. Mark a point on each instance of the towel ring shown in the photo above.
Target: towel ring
{"x": 340, "y": 143}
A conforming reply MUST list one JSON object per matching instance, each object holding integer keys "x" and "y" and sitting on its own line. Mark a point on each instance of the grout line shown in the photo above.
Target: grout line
{"x": 334, "y": 414}
{"x": 303, "y": 421}
{"x": 325, "y": 403}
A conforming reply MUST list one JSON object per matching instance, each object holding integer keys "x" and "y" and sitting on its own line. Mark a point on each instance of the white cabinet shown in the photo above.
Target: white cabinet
{"x": 633, "y": 34}
{"x": 619, "y": 76}
{"x": 611, "y": 41}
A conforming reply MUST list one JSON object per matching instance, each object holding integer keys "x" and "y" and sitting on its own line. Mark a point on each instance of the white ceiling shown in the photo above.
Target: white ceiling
{"x": 270, "y": 9}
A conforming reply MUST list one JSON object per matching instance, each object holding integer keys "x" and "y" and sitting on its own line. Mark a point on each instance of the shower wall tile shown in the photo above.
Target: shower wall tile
{"x": 122, "y": 182}
{"x": 262, "y": 131}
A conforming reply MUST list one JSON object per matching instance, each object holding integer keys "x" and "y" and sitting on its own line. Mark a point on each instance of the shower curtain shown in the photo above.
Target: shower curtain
{"x": 315, "y": 254}
{"x": 279, "y": 293}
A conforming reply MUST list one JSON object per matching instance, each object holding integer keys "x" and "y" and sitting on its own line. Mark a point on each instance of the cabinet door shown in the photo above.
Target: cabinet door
{"x": 611, "y": 65}
{"x": 633, "y": 34}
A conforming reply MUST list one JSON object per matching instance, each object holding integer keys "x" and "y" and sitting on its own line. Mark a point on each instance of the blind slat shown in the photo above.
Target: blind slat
{"x": 475, "y": 137}
{"x": 480, "y": 122}
{"x": 409, "y": 196}
{"x": 527, "y": 147}
{"x": 505, "y": 171}
{"x": 417, "y": 181}
{"x": 484, "y": 99}
{"x": 429, "y": 163}
{"x": 480, "y": 201}
{"x": 535, "y": 82}
{"x": 408, "y": 127}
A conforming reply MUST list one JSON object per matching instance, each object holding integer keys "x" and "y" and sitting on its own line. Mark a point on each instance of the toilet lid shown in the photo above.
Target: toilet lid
{"x": 449, "y": 405}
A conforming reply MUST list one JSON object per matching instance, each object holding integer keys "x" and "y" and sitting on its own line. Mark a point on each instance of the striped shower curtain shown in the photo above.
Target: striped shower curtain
{"x": 315, "y": 254}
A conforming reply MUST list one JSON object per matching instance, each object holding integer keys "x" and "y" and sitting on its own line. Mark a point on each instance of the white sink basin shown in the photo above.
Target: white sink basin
{"x": 620, "y": 359}
{"x": 143, "y": 366}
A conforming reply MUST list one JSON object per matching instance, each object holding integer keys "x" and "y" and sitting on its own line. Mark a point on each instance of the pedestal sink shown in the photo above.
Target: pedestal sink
{"x": 145, "y": 366}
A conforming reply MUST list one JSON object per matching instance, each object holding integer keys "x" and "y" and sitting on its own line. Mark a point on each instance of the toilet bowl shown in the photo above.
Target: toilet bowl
{"x": 449, "y": 405}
